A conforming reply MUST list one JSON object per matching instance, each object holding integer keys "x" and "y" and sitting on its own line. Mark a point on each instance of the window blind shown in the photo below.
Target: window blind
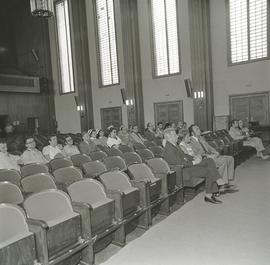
{"x": 64, "y": 47}
{"x": 165, "y": 37}
{"x": 248, "y": 30}
{"x": 108, "y": 60}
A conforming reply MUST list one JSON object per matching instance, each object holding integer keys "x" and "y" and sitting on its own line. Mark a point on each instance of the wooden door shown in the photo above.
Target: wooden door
{"x": 171, "y": 111}
{"x": 250, "y": 107}
{"x": 259, "y": 109}
{"x": 239, "y": 106}
{"x": 111, "y": 116}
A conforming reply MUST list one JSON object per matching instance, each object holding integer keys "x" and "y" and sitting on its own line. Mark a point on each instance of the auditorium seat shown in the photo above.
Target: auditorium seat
{"x": 38, "y": 182}
{"x": 17, "y": 243}
{"x": 145, "y": 154}
{"x": 10, "y": 175}
{"x": 115, "y": 152}
{"x": 132, "y": 158}
{"x": 158, "y": 151}
{"x": 79, "y": 159}
{"x": 130, "y": 203}
{"x": 101, "y": 210}
{"x": 62, "y": 236}
{"x": 138, "y": 146}
{"x": 125, "y": 148}
{"x": 142, "y": 172}
{"x": 115, "y": 163}
{"x": 170, "y": 184}
{"x": 149, "y": 144}
{"x": 59, "y": 163}
{"x": 98, "y": 155}
{"x": 10, "y": 193}
{"x": 31, "y": 169}
{"x": 66, "y": 176}
{"x": 93, "y": 169}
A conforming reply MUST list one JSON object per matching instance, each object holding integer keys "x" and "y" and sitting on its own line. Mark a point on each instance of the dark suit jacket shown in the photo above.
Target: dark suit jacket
{"x": 175, "y": 156}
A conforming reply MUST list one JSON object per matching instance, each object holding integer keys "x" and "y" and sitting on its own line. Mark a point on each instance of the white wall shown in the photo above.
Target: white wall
{"x": 154, "y": 90}
{"x": 230, "y": 80}
{"x": 67, "y": 117}
{"x": 168, "y": 88}
{"x": 110, "y": 96}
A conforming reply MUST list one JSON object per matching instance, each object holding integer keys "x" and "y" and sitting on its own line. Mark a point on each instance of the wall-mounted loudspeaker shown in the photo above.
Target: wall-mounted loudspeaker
{"x": 76, "y": 100}
{"x": 188, "y": 88}
{"x": 124, "y": 95}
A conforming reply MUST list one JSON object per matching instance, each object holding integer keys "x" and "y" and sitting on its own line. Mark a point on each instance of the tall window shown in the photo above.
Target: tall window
{"x": 165, "y": 37}
{"x": 64, "y": 46}
{"x": 108, "y": 60}
{"x": 248, "y": 30}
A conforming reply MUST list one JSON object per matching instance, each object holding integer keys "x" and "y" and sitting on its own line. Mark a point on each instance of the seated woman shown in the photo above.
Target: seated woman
{"x": 237, "y": 134}
{"x": 70, "y": 149}
{"x": 101, "y": 139}
{"x": 255, "y": 142}
{"x": 113, "y": 139}
{"x": 124, "y": 135}
{"x": 135, "y": 136}
{"x": 8, "y": 161}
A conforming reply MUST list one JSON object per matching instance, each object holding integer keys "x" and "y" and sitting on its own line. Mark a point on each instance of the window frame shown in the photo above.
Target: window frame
{"x": 98, "y": 47}
{"x": 228, "y": 33}
{"x": 58, "y": 52}
{"x": 153, "y": 58}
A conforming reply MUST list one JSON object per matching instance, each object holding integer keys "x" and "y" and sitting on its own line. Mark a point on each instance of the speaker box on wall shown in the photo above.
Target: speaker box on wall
{"x": 124, "y": 95}
{"x": 188, "y": 88}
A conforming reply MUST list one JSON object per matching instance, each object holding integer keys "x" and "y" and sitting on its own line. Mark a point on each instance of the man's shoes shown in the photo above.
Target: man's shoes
{"x": 216, "y": 200}
{"x": 212, "y": 200}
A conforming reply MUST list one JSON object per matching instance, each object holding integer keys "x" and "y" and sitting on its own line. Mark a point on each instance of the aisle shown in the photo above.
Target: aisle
{"x": 234, "y": 233}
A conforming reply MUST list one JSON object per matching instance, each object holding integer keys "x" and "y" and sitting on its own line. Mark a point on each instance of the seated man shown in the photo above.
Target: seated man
{"x": 135, "y": 136}
{"x": 8, "y": 161}
{"x": 70, "y": 149}
{"x": 87, "y": 146}
{"x": 199, "y": 146}
{"x": 198, "y": 168}
{"x": 53, "y": 150}
{"x": 32, "y": 154}
{"x": 238, "y": 133}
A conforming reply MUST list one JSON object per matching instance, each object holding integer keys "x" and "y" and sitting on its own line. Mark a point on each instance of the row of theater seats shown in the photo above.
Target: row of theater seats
{"x": 226, "y": 145}
{"x": 66, "y": 212}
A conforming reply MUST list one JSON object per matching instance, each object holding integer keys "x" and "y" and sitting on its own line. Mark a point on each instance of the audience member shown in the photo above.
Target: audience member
{"x": 32, "y": 154}
{"x": 159, "y": 130}
{"x": 135, "y": 136}
{"x": 53, "y": 150}
{"x": 237, "y": 134}
{"x": 113, "y": 139}
{"x": 193, "y": 167}
{"x": 70, "y": 149}
{"x": 8, "y": 161}
{"x": 199, "y": 146}
{"x": 87, "y": 145}
{"x": 123, "y": 134}
{"x": 150, "y": 133}
{"x": 101, "y": 138}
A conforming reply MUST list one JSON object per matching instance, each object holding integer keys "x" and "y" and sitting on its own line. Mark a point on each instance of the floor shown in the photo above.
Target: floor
{"x": 236, "y": 232}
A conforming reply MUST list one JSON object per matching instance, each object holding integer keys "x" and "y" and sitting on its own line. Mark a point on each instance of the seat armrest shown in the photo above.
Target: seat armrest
{"x": 144, "y": 188}
{"x": 84, "y": 210}
{"x": 39, "y": 227}
{"x": 117, "y": 195}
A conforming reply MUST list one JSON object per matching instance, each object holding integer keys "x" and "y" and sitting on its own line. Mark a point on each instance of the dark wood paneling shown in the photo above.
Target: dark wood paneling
{"x": 111, "y": 116}
{"x": 27, "y": 33}
{"x": 171, "y": 111}
{"x": 250, "y": 107}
